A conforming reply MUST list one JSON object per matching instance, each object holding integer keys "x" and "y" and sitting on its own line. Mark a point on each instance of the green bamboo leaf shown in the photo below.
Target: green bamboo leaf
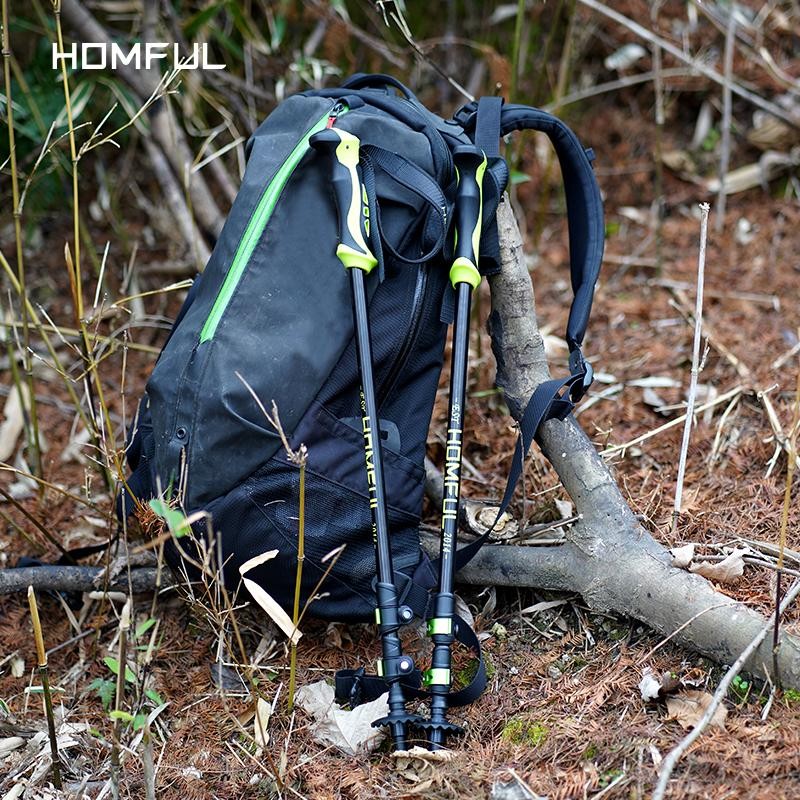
{"x": 201, "y": 19}
{"x": 113, "y": 665}
{"x": 143, "y": 627}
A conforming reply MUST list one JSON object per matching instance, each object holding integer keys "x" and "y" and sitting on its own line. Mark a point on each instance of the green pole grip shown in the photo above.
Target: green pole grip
{"x": 470, "y": 162}
{"x": 352, "y": 207}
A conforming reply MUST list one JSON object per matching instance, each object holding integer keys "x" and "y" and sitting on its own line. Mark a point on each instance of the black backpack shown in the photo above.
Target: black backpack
{"x": 271, "y": 315}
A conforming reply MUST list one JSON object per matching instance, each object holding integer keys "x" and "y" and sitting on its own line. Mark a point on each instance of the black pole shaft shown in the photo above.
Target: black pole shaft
{"x": 444, "y": 601}
{"x": 386, "y": 590}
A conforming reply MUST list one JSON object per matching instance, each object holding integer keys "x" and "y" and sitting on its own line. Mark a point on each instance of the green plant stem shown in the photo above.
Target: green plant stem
{"x": 31, "y": 415}
{"x": 298, "y": 580}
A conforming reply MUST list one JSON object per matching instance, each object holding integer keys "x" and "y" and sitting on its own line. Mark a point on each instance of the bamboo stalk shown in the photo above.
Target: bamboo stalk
{"x": 45, "y": 678}
{"x": 31, "y": 416}
{"x": 301, "y": 527}
{"x": 92, "y": 383}
{"x": 124, "y": 626}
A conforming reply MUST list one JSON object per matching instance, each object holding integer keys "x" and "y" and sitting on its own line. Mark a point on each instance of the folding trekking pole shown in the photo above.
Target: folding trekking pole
{"x": 470, "y": 162}
{"x": 354, "y": 253}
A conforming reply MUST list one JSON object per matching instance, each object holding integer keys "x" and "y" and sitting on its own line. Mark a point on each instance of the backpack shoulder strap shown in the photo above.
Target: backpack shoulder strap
{"x": 584, "y": 203}
{"x": 485, "y": 122}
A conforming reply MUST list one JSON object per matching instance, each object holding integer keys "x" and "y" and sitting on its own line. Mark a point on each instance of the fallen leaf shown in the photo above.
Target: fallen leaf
{"x": 688, "y": 708}
{"x": 729, "y": 570}
{"x": 649, "y": 685}
{"x": 682, "y": 556}
{"x": 17, "y": 667}
{"x": 624, "y": 57}
{"x": 263, "y": 712}
{"x": 257, "y": 561}
{"x": 13, "y": 424}
{"x": 545, "y": 605}
{"x": 639, "y": 215}
{"x": 565, "y": 508}
{"x": 266, "y": 600}
{"x": 480, "y": 518}
{"x": 652, "y": 399}
{"x": 655, "y": 754}
{"x": 463, "y": 610}
{"x": 655, "y": 382}
{"x": 276, "y": 613}
{"x": 10, "y": 743}
{"x": 422, "y": 767}
{"x": 227, "y": 678}
{"x": 349, "y": 731}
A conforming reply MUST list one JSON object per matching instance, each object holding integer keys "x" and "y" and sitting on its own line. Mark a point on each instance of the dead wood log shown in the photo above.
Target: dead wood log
{"x": 59, "y": 578}
{"x": 607, "y": 557}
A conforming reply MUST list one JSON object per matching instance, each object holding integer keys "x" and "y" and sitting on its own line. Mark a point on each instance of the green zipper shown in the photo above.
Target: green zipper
{"x": 255, "y": 227}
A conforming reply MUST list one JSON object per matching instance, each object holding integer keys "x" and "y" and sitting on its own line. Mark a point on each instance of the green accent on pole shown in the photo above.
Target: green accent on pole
{"x": 470, "y": 170}
{"x": 255, "y": 227}
{"x": 476, "y": 233}
{"x": 464, "y": 271}
{"x": 379, "y": 667}
{"x": 439, "y": 625}
{"x": 436, "y": 677}
{"x": 353, "y": 259}
{"x": 377, "y": 616}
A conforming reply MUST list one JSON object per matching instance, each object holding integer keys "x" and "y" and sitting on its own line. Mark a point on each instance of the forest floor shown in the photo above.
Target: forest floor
{"x": 563, "y": 714}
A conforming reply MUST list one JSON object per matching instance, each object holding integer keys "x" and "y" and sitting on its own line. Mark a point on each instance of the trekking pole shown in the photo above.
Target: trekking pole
{"x": 470, "y": 162}
{"x": 354, "y": 253}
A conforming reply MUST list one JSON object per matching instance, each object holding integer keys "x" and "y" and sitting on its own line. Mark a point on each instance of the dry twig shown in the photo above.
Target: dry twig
{"x": 698, "y": 327}
{"x": 668, "y": 765}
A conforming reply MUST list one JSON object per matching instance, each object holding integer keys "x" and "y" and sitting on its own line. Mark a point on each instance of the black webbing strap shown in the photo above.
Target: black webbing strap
{"x": 417, "y": 181}
{"x": 584, "y": 209}
{"x": 488, "y": 121}
{"x": 355, "y": 686}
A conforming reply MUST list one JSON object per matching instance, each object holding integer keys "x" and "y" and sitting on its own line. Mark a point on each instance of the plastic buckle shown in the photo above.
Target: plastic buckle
{"x": 578, "y": 365}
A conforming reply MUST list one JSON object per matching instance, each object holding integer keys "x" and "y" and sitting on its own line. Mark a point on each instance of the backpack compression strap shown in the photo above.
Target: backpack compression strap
{"x": 486, "y": 121}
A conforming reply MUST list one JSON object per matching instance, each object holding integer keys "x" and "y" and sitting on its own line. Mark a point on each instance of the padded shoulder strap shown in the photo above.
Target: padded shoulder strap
{"x": 584, "y": 204}
{"x": 584, "y": 209}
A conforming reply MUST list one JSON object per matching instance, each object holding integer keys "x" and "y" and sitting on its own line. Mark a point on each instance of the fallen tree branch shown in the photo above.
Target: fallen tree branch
{"x": 80, "y": 579}
{"x": 608, "y": 536}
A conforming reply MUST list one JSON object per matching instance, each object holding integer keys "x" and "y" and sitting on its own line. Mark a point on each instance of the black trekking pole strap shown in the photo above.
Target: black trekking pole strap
{"x": 355, "y": 686}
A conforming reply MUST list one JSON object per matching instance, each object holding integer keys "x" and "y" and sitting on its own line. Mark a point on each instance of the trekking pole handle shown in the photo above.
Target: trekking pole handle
{"x": 352, "y": 207}
{"x": 470, "y": 162}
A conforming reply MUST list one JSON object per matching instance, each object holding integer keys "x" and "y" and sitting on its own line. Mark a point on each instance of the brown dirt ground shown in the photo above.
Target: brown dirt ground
{"x": 563, "y": 712}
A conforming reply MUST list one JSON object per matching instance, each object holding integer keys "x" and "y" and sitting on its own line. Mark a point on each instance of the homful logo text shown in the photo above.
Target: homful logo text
{"x": 102, "y": 55}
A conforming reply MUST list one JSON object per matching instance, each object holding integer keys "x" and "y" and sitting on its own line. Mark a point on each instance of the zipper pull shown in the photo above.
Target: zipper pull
{"x": 337, "y": 109}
